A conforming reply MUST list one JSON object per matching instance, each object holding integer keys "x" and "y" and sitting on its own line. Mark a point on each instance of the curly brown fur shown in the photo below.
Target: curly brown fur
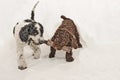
{"x": 65, "y": 38}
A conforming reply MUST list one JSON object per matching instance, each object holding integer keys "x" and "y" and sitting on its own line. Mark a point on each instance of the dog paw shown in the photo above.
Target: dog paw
{"x": 51, "y": 56}
{"x": 36, "y": 56}
{"x": 70, "y": 59}
{"x": 22, "y": 67}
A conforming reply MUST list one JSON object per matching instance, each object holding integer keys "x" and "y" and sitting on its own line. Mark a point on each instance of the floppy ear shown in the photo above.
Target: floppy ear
{"x": 24, "y": 33}
{"x": 41, "y": 29}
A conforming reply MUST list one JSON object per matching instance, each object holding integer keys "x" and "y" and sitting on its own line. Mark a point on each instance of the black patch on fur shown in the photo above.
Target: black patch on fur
{"x": 41, "y": 29}
{"x": 33, "y": 31}
{"x": 24, "y": 33}
{"x": 27, "y": 30}
{"x": 28, "y": 20}
{"x": 29, "y": 41}
{"x": 32, "y": 15}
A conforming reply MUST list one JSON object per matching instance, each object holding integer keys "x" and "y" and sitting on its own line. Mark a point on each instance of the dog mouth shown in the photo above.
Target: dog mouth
{"x": 32, "y": 41}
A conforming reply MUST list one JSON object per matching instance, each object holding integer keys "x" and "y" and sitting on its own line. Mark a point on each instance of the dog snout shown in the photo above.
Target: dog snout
{"x": 42, "y": 42}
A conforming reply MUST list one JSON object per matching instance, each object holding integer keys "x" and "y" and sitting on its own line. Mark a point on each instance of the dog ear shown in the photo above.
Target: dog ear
{"x": 24, "y": 33}
{"x": 41, "y": 29}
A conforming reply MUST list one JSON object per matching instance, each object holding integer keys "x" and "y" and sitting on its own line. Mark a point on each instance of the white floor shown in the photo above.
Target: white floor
{"x": 98, "y": 22}
{"x": 93, "y": 63}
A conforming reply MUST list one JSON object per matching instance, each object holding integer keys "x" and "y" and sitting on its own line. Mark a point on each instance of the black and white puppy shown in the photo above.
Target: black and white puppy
{"x": 28, "y": 32}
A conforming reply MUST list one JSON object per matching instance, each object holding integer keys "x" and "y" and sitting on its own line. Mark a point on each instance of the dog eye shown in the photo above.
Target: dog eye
{"x": 35, "y": 33}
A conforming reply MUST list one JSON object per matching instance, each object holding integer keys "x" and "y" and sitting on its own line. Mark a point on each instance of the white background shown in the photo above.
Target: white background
{"x": 98, "y": 22}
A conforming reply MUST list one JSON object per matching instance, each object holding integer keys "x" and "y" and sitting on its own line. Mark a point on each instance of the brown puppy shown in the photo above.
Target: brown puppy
{"x": 65, "y": 38}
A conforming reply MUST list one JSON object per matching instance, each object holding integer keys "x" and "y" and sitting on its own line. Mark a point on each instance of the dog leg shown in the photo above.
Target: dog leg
{"x": 52, "y": 53}
{"x": 69, "y": 57}
{"x": 78, "y": 39}
{"x": 21, "y": 59}
{"x": 36, "y": 50}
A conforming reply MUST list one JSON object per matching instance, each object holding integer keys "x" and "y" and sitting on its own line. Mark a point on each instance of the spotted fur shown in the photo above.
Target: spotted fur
{"x": 28, "y": 32}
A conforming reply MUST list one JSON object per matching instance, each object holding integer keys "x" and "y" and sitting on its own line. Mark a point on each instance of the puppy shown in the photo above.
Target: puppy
{"x": 28, "y": 32}
{"x": 65, "y": 38}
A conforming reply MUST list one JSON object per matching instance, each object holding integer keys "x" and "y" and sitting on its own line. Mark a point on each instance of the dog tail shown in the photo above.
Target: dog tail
{"x": 63, "y": 17}
{"x": 32, "y": 13}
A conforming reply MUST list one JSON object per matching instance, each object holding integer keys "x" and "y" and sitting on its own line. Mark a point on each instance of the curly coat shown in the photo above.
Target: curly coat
{"x": 65, "y": 38}
{"x": 66, "y": 35}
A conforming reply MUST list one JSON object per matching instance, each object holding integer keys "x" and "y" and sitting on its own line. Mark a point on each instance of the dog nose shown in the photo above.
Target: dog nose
{"x": 41, "y": 41}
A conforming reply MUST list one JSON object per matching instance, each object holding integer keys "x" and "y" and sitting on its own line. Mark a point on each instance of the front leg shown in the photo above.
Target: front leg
{"x": 21, "y": 60}
{"x": 52, "y": 53}
{"x": 36, "y": 50}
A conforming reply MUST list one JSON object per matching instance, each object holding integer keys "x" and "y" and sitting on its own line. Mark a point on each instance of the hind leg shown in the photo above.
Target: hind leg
{"x": 78, "y": 39}
{"x": 52, "y": 53}
{"x": 69, "y": 57}
{"x": 68, "y": 50}
{"x": 79, "y": 44}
